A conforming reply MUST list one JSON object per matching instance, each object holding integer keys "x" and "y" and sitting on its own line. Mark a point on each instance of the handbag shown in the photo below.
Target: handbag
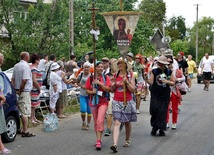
{"x": 182, "y": 87}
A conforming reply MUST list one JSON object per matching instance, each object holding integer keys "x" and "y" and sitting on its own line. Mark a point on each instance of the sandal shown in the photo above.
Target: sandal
{"x": 33, "y": 122}
{"x": 98, "y": 145}
{"x": 5, "y": 151}
{"x": 127, "y": 143}
{"x": 38, "y": 121}
{"x": 114, "y": 148}
{"x": 28, "y": 134}
{"x": 19, "y": 132}
{"x": 62, "y": 116}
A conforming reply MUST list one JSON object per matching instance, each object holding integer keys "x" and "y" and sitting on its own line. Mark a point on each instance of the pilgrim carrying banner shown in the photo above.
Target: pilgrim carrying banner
{"x": 122, "y": 25}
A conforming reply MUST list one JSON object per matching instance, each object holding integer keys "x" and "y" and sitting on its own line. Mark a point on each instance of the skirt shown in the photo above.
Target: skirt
{"x": 124, "y": 114}
{"x": 2, "y": 121}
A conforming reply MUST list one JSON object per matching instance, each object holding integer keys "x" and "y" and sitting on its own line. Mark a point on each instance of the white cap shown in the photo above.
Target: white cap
{"x": 54, "y": 66}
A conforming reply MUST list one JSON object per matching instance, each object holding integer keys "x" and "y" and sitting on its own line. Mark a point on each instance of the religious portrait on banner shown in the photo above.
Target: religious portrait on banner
{"x": 121, "y": 31}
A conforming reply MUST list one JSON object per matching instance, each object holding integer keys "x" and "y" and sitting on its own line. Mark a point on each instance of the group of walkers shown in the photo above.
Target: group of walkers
{"x": 111, "y": 89}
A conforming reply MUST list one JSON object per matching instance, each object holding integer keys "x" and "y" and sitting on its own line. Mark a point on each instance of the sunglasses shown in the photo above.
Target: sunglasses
{"x": 137, "y": 58}
{"x": 119, "y": 63}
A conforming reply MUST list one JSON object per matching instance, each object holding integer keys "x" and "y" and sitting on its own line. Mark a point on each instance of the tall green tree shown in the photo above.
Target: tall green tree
{"x": 205, "y": 37}
{"x": 154, "y": 12}
{"x": 176, "y": 28}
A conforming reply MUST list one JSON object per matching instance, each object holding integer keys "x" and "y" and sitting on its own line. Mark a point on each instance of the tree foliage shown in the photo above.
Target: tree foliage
{"x": 176, "y": 28}
{"x": 154, "y": 12}
{"x": 44, "y": 28}
{"x": 205, "y": 37}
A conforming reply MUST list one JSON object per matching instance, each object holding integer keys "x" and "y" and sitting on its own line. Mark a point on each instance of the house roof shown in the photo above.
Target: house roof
{"x": 156, "y": 40}
{"x": 28, "y": 1}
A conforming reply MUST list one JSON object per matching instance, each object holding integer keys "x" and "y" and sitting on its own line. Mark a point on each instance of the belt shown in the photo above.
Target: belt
{"x": 23, "y": 90}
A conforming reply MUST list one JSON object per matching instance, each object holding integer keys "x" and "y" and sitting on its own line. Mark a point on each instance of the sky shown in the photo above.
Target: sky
{"x": 187, "y": 9}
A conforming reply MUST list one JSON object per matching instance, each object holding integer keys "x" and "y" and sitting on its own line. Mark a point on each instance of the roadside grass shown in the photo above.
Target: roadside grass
{"x": 72, "y": 108}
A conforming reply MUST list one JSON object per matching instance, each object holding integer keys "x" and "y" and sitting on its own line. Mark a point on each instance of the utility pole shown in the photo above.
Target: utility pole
{"x": 196, "y": 40}
{"x": 71, "y": 27}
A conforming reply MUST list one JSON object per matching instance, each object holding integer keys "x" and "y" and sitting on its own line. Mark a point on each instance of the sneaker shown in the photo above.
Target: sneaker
{"x": 138, "y": 112}
{"x": 98, "y": 145}
{"x": 126, "y": 143}
{"x": 153, "y": 132}
{"x": 107, "y": 132}
{"x": 174, "y": 126}
{"x": 87, "y": 127}
{"x": 83, "y": 126}
{"x": 189, "y": 90}
{"x": 162, "y": 133}
{"x": 167, "y": 125}
{"x": 114, "y": 148}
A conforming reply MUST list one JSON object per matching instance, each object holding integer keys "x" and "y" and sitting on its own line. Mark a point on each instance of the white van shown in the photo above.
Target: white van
{"x": 199, "y": 77}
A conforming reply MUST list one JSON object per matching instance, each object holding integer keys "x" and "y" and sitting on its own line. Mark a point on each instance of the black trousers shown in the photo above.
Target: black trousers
{"x": 158, "y": 112}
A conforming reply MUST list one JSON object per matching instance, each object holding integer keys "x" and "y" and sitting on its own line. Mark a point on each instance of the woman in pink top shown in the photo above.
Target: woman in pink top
{"x": 123, "y": 113}
{"x": 98, "y": 90}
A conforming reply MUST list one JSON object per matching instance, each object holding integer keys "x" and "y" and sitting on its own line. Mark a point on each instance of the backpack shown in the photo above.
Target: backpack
{"x": 45, "y": 81}
{"x": 107, "y": 95}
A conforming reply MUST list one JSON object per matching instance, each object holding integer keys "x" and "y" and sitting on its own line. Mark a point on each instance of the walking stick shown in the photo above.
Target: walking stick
{"x": 124, "y": 84}
{"x": 95, "y": 34}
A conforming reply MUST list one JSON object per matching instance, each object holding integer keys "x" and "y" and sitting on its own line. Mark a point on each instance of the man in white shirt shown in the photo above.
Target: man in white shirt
{"x": 22, "y": 82}
{"x": 42, "y": 65}
{"x": 206, "y": 70}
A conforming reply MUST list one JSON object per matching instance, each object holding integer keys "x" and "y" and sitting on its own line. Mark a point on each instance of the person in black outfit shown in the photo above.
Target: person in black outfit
{"x": 160, "y": 80}
{"x": 182, "y": 63}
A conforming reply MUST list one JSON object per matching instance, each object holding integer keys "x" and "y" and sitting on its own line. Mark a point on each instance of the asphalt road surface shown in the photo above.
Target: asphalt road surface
{"x": 194, "y": 134}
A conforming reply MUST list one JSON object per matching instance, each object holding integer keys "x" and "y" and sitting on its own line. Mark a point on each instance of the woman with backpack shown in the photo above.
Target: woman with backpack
{"x": 98, "y": 87}
{"x": 84, "y": 98}
{"x": 123, "y": 111}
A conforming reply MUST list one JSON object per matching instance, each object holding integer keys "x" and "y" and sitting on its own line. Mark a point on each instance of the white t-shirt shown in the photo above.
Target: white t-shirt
{"x": 55, "y": 80}
{"x": 41, "y": 65}
{"x": 22, "y": 71}
{"x": 64, "y": 86}
{"x": 207, "y": 65}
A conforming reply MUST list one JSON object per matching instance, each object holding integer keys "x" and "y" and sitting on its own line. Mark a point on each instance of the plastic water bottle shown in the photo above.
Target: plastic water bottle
{"x": 47, "y": 123}
{"x": 50, "y": 122}
{"x": 55, "y": 121}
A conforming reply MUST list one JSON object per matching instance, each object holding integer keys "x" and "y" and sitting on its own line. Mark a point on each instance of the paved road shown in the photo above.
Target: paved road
{"x": 194, "y": 134}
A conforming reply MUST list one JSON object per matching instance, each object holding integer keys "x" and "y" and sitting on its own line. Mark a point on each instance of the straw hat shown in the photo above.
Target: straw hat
{"x": 115, "y": 68}
{"x": 163, "y": 60}
{"x": 168, "y": 52}
{"x": 105, "y": 59}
